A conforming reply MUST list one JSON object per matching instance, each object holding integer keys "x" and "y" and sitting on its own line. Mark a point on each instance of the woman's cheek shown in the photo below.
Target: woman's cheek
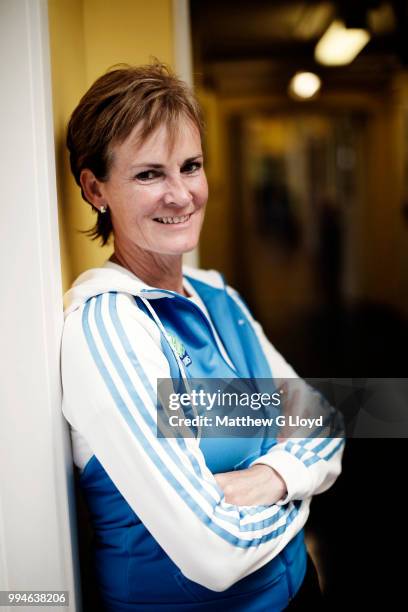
{"x": 202, "y": 190}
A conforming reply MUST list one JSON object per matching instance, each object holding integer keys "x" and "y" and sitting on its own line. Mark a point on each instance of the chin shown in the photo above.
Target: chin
{"x": 189, "y": 249}
{"x": 181, "y": 247}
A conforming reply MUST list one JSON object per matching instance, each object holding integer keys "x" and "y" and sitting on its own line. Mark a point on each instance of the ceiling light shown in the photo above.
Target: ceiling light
{"x": 340, "y": 45}
{"x": 304, "y": 85}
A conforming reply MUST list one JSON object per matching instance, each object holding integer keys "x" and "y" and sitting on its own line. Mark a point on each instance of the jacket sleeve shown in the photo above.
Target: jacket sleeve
{"x": 111, "y": 358}
{"x": 308, "y": 465}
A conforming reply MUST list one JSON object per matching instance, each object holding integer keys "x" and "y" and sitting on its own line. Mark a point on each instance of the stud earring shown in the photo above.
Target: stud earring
{"x": 103, "y": 209}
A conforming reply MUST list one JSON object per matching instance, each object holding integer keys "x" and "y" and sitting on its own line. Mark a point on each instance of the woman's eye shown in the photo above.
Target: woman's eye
{"x": 150, "y": 175}
{"x": 147, "y": 175}
{"x": 191, "y": 167}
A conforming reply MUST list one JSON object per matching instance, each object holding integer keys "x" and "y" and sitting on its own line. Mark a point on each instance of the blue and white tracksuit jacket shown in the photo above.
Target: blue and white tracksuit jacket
{"x": 165, "y": 538}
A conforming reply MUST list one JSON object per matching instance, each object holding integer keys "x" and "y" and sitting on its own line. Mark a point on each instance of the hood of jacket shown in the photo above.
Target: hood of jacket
{"x": 113, "y": 277}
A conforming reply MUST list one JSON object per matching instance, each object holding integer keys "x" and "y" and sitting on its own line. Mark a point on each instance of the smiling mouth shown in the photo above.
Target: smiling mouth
{"x": 173, "y": 220}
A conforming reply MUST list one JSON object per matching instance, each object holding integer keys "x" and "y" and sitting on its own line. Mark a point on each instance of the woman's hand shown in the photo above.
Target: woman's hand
{"x": 259, "y": 485}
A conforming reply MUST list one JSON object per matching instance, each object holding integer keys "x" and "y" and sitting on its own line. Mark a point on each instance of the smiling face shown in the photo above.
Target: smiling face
{"x": 156, "y": 192}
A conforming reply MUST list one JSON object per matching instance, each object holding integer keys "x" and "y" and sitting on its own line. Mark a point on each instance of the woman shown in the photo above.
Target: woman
{"x": 180, "y": 523}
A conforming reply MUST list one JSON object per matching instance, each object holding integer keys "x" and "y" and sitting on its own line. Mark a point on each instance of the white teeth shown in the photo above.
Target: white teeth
{"x": 174, "y": 220}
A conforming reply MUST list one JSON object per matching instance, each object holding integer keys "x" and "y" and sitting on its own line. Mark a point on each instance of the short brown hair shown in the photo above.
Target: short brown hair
{"x": 110, "y": 109}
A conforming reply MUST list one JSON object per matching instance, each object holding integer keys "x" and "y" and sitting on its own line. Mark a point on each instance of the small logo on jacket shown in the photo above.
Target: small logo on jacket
{"x": 180, "y": 349}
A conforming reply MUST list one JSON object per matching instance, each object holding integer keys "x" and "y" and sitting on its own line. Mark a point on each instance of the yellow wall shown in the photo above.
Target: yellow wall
{"x": 86, "y": 38}
{"x": 128, "y": 31}
{"x": 215, "y": 241}
{"x": 68, "y": 80}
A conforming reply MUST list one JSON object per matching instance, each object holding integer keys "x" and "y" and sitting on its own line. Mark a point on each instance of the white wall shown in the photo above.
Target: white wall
{"x": 36, "y": 501}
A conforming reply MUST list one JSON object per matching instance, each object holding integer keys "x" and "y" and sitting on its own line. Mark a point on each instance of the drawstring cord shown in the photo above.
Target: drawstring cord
{"x": 160, "y": 325}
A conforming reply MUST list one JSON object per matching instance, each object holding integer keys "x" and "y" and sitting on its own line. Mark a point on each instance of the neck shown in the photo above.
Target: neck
{"x": 162, "y": 271}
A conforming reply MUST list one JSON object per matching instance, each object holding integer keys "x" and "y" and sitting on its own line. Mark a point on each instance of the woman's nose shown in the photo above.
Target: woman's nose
{"x": 177, "y": 193}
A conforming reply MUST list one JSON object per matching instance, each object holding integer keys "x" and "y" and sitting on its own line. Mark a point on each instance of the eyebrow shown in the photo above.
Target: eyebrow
{"x": 151, "y": 165}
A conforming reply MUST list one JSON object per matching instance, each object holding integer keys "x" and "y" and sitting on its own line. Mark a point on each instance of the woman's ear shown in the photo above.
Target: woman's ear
{"x": 92, "y": 188}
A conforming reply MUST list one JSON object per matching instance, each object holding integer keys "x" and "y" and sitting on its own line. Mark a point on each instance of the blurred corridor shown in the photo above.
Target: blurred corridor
{"x": 307, "y": 218}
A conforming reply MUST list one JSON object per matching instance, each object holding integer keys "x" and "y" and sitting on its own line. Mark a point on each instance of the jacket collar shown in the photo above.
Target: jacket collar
{"x": 114, "y": 277}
